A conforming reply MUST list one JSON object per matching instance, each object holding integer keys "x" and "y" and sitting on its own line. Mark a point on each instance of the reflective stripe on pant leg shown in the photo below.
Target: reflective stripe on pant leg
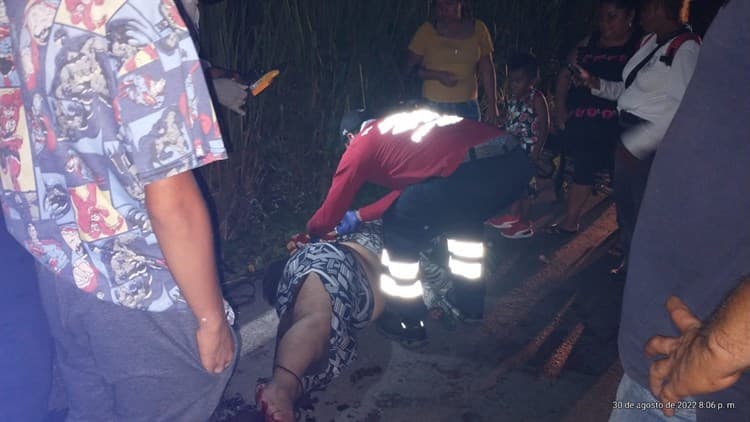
{"x": 466, "y": 258}
{"x": 401, "y": 279}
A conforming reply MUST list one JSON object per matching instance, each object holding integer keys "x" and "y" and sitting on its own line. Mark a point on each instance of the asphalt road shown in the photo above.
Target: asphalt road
{"x": 546, "y": 352}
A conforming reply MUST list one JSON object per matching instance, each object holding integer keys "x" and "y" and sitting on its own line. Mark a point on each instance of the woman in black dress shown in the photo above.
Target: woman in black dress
{"x": 590, "y": 123}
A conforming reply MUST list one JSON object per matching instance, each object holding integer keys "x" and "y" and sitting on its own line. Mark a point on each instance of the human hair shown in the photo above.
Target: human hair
{"x": 525, "y": 62}
{"x": 271, "y": 278}
{"x": 351, "y": 122}
{"x": 467, "y": 12}
{"x": 628, "y": 5}
{"x": 677, "y": 10}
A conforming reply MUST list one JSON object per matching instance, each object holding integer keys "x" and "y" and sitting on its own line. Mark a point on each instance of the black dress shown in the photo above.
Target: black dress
{"x": 591, "y": 131}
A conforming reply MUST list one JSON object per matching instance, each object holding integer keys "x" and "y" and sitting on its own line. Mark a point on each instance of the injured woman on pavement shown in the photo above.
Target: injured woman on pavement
{"x": 323, "y": 294}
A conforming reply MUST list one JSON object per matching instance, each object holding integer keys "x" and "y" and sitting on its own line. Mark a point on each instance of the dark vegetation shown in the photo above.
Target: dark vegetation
{"x": 335, "y": 55}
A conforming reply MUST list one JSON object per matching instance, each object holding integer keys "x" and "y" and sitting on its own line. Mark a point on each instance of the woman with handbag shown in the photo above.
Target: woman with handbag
{"x": 654, "y": 81}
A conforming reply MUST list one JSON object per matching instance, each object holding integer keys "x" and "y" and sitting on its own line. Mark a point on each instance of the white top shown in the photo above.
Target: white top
{"x": 654, "y": 95}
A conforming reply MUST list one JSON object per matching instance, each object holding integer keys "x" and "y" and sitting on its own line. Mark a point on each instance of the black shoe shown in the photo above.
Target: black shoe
{"x": 471, "y": 317}
{"x": 409, "y": 334}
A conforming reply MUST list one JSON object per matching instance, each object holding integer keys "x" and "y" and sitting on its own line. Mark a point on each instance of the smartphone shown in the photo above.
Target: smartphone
{"x": 573, "y": 69}
{"x": 263, "y": 82}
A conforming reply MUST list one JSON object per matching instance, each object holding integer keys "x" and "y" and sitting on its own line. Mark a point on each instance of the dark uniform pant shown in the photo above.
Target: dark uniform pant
{"x": 455, "y": 206}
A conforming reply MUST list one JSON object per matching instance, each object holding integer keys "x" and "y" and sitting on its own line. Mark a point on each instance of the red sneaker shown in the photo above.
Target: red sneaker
{"x": 502, "y": 221}
{"x": 518, "y": 230}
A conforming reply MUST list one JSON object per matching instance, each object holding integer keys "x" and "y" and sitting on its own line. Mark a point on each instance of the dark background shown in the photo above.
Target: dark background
{"x": 336, "y": 55}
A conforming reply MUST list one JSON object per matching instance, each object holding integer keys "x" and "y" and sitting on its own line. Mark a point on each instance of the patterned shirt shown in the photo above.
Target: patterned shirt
{"x": 369, "y": 235}
{"x": 97, "y": 100}
{"x": 521, "y": 119}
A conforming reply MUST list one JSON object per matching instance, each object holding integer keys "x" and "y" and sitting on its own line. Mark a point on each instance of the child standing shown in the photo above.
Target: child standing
{"x": 527, "y": 117}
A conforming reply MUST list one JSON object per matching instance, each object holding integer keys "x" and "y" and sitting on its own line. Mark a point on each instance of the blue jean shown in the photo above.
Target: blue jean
{"x": 467, "y": 110}
{"x": 635, "y": 403}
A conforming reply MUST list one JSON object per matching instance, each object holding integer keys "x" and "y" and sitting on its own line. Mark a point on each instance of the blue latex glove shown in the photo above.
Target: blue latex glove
{"x": 349, "y": 224}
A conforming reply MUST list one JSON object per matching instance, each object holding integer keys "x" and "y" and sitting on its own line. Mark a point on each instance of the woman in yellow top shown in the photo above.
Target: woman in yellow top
{"x": 449, "y": 52}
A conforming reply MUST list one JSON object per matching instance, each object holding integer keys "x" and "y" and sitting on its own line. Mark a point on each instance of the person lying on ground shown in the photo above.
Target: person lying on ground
{"x": 324, "y": 293}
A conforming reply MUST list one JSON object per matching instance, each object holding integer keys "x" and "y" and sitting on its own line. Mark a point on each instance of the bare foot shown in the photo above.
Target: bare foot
{"x": 275, "y": 402}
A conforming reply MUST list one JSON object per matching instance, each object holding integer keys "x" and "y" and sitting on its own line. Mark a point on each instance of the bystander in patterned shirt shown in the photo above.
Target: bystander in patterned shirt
{"x": 95, "y": 106}
{"x": 521, "y": 120}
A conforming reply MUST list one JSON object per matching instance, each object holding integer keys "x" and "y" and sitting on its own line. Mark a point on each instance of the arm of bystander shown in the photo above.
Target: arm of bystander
{"x": 706, "y": 357}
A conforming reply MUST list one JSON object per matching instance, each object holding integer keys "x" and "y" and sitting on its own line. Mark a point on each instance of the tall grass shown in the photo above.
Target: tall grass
{"x": 339, "y": 54}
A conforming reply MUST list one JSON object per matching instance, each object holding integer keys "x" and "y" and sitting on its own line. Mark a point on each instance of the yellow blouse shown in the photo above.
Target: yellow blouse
{"x": 459, "y": 57}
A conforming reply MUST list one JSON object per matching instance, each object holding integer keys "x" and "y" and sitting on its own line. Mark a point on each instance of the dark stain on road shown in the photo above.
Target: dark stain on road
{"x": 361, "y": 373}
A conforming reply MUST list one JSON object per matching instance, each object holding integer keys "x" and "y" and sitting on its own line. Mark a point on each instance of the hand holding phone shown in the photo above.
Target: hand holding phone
{"x": 581, "y": 77}
{"x": 574, "y": 70}
{"x": 263, "y": 82}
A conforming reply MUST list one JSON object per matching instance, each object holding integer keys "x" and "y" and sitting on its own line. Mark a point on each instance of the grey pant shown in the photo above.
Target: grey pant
{"x": 124, "y": 364}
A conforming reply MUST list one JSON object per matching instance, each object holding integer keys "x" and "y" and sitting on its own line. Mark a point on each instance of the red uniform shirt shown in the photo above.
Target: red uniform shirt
{"x": 395, "y": 152}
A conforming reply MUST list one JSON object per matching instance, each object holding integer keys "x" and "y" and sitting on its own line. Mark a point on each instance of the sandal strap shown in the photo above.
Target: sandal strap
{"x": 262, "y": 405}
{"x": 299, "y": 380}
{"x": 556, "y": 229}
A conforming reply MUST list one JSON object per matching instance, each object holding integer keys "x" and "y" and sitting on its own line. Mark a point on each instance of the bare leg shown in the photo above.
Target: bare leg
{"x": 302, "y": 342}
{"x": 577, "y": 196}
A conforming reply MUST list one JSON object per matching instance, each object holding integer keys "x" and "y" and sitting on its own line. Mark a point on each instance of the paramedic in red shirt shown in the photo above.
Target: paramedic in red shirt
{"x": 448, "y": 175}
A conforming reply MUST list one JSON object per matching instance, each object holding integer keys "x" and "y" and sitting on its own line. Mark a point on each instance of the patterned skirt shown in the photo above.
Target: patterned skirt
{"x": 351, "y": 299}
